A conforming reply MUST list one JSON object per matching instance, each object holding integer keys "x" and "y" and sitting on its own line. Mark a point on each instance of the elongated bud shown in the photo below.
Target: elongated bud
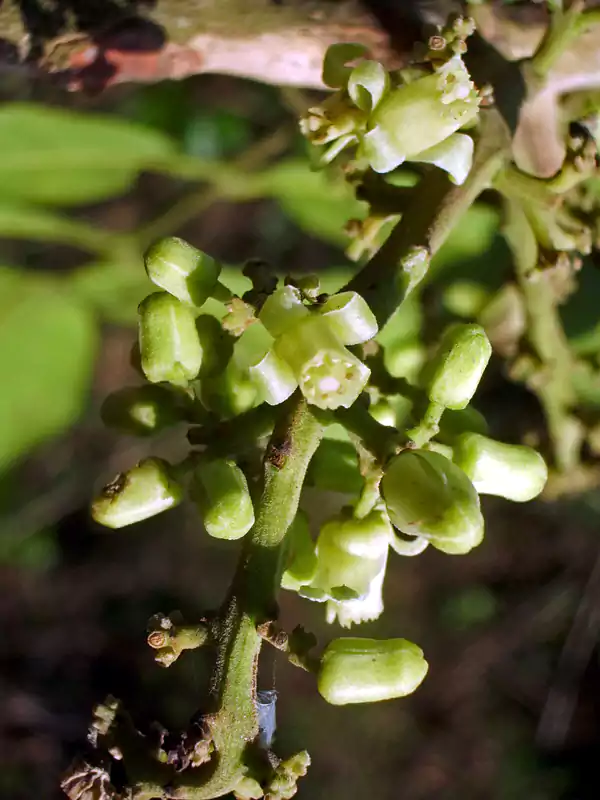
{"x": 351, "y": 552}
{"x": 513, "y": 471}
{"x": 427, "y": 495}
{"x": 182, "y": 270}
{"x": 357, "y": 670}
{"x": 301, "y": 555}
{"x": 169, "y": 345}
{"x": 282, "y": 310}
{"x": 328, "y": 374}
{"x": 221, "y": 492}
{"x": 142, "y": 410}
{"x": 452, "y": 376}
{"x": 138, "y": 494}
{"x": 350, "y": 318}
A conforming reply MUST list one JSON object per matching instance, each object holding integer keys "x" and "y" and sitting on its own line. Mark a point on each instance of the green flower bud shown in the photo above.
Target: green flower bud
{"x": 169, "y": 345}
{"x": 328, "y": 374}
{"x": 404, "y": 359}
{"x": 452, "y": 376}
{"x": 282, "y": 310}
{"x": 356, "y": 670}
{"x": 334, "y": 468}
{"x": 513, "y": 471}
{"x": 138, "y": 494}
{"x": 350, "y": 318}
{"x": 351, "y": 552}
{"x": 301, "y": 555}
{"x": 384, "y": 413}
{"x": 142, "y": 410}
{"x": 220, "y": 491}
{"x": 419, "y": 115}
{"x": 464, "y": 298}
{"x": 427, "y": 495}
{"x": 229, "y": 393}
{"x": 182, "y": 270}
{"x": 217, "y": 345}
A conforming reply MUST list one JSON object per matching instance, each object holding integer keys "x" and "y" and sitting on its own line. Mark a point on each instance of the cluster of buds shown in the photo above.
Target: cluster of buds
{"x": 429, "y": 491}
{"x": 196, "y": 369}
{"x": 389, "y": 118}
{"x": 423, "y": 491}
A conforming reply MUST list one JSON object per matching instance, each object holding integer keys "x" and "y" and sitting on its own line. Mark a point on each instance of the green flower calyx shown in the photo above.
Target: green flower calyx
{"x": 357, "y": 670}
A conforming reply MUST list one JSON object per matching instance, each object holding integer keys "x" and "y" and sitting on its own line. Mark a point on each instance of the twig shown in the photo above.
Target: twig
{"x": 546, "y": 336}
{"x": 252, "y": 601}
{"x": 565, "y": 27}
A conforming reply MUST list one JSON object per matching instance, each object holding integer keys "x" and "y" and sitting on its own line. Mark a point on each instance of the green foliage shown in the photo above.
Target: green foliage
{"x": 37, "y": 552}
{"x": 318, "y": 204}
{"x": 47, "y": 345}
{"x": 49, "y": 155}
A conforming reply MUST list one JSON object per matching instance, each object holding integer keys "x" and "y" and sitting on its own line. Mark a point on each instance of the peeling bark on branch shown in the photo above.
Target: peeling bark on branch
{"x": 96, "y": 43}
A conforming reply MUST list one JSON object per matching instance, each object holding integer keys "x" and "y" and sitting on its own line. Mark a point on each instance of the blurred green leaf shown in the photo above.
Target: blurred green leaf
{"x": 216, "y": 135}
{"x": 47, "y": 347}
{"x": 49, "y": 155}
{"x": 37, "y": 551}
{"x": 475, "y": 237}
{"x": 474, "y": 605}
{"x": 165, "y": 106}
{"x": 315, "y": 201}
{"x": 114, "y": 290}
{"x": 405, "y": 323}
{"x": 20, "y": 221}
{"x": 334, "y": 467}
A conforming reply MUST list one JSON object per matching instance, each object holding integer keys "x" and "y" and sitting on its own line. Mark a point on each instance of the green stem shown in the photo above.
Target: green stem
{"x": 552, "y": 383}
{"x": 436, "y": 207}
{"x": 429, "y": 425}
{"x": 565, "y": 27}
{"x": 252, "y": 601}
